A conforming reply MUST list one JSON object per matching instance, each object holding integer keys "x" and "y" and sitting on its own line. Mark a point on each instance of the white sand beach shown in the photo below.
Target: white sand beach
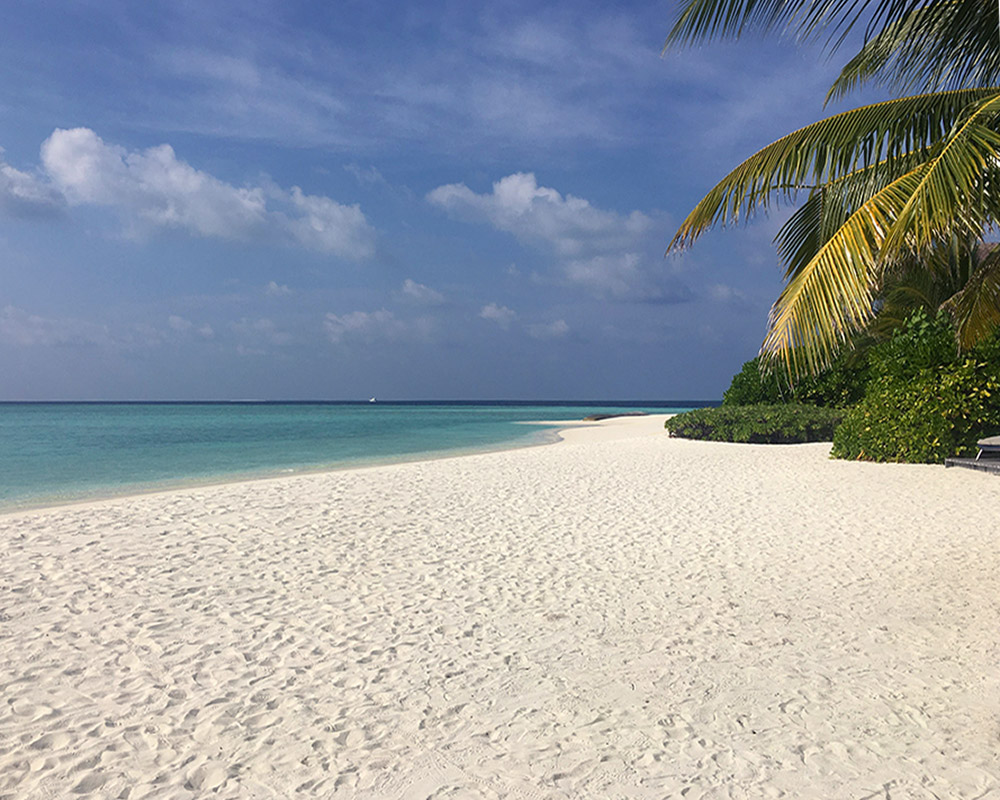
{"x": 619, "y": 615}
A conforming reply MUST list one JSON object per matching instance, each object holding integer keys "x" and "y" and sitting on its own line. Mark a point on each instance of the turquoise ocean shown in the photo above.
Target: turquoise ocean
{"x": 64, "y": 452}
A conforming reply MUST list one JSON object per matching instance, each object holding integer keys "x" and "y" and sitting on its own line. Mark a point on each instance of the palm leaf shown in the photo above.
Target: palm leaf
{"x": 801, "y": 236}
{"x": 942, "y": 45}
{"x": 976, "y": 308}
{"x": 922, "y": 281}
{"x": 833, "y": 295}
{"x": 953, "y": 195}
{"x": 706, "y": 19}
{"x": 829, "y": 207}
{"x": 826, "y": 150}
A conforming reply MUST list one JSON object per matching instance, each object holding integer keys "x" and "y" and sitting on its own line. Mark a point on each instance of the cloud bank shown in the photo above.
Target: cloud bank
{"x": 537, "y": 215}
{"x": 154, "y": 189}
{"x": 23, "y": 194}
{"x": 602, "y": 252}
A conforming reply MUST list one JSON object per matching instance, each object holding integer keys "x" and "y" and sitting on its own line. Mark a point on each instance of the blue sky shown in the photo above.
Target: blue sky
{"x": 445, "y": 200}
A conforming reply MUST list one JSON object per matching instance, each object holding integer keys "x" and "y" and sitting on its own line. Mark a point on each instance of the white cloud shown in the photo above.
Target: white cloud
{"x": 154, "y": 188}
{"x": 24, "y": 194}
{"x": 376, "y": 326}
{"x": 602, "y": 252}
{"x": 515, "y": 80}
{"x": 326, "y": 225}
{"x": 274, "y": 289}
{"x": 21, "y": 328}
{"x": 179, "y": 323}
{"x": 622, "y": 276}
{"x": 550, "y": 330}
{"x": 153, "y": 184}
{"x": 540, "y": 215}
{"x": 501, "y": 315}
{"x": 369, "y": 176}
{"x": 614, "y": 275}
{"x": 420, "y": 294}
{"x": 724, "y": 293}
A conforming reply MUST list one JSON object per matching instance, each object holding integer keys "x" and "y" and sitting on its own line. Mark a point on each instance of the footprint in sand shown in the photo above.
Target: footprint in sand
{"x": 208, "y": 776}
{"x": 51, "y": 741}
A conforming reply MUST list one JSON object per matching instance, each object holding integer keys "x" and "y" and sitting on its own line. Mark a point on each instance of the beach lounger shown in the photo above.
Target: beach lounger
{"x": 991, "y": 444}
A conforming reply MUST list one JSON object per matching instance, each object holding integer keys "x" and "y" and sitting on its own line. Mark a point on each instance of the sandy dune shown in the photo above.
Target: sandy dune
{"x": 617, "y": 615}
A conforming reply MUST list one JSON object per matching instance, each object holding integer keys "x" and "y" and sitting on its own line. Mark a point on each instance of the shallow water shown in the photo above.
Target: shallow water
{"x": 56, "y": 452}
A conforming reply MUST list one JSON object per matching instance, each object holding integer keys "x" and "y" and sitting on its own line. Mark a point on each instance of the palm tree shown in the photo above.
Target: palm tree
{"x": 893, "y": 189}
{"x": 910, "y": 45}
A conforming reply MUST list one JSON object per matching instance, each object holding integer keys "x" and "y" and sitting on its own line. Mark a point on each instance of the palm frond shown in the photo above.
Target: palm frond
{"x": 810, "y": 227}
{"x": 801, "y": 236}
{"x": 953, "y": 195}
{"x": 941, "y": 45}
{"x": 923, "y": 281}
{"x": 829, "y": 207}
{"x": 826, "y": 150}
{"x": 706, "y": 19}
{"x": 700, "y": 20}
{"x": 833, "y": 295}
{"x": 975, "y": 310}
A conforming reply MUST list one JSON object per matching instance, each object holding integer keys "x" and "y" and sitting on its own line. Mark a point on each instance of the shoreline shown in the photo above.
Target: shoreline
{"x": 555, "y": 434}
{"x": 622, "y": 614}
{"x": 552, "y": 436}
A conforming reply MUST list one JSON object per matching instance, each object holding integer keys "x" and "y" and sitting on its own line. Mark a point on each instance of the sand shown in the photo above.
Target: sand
{"x": 619, "y": 615}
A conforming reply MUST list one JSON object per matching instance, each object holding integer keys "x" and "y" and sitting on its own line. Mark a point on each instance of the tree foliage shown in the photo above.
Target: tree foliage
{"x": 891, "y": 189}
{"x": 939, "y": 412}
{"x": 841, "y": 385}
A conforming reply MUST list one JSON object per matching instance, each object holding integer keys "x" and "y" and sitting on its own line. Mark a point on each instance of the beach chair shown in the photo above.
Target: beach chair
{"x": 990, "y": 445}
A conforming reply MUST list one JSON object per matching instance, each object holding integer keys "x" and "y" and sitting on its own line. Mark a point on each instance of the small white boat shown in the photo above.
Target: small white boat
{"x": 372, "y": 400}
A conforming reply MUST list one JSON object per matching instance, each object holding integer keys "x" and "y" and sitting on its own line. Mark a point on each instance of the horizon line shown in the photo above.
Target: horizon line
{"x": 439, "y": 401}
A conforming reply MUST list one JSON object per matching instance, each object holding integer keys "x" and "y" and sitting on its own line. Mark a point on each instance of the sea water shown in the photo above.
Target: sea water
{"x": 59, "y": 452}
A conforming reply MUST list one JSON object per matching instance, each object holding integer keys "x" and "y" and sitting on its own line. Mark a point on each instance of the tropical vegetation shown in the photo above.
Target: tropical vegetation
{"x": 897, "y": 195}
{"x": 926, "y": 401}
{"x": 941, "y": 412}
{"x": 891, "y": 302}
{"x": 911, "y": 397}
{"x": 840, "y": 385}
{"x": 789, "y": 423}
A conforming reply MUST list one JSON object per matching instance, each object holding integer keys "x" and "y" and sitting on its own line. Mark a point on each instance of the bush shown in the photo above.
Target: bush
{"x": 758, "y": 424}
{"x": 911, "y": 398}
{"x": 988, "y": 350}
{"x": 842, "y": 385}
{"x": 921, "y": 343}
{"x": 750, "y": 386}
{"x": 939, "y": 412}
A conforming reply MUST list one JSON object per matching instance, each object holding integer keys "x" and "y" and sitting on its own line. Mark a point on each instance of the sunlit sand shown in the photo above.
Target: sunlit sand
{"x": 617, "y": 615}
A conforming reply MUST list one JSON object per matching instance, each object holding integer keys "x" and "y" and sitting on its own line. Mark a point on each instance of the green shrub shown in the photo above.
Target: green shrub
{"x": 840, "y": 386}
{"x": 911, "y": 398}
{"x": 921, "y": 343}
{"x": 940, "y": 412}
{"x": 764, "y": 424}
{"x": 988, "y": 350}
{"x": 750, "y": 386}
